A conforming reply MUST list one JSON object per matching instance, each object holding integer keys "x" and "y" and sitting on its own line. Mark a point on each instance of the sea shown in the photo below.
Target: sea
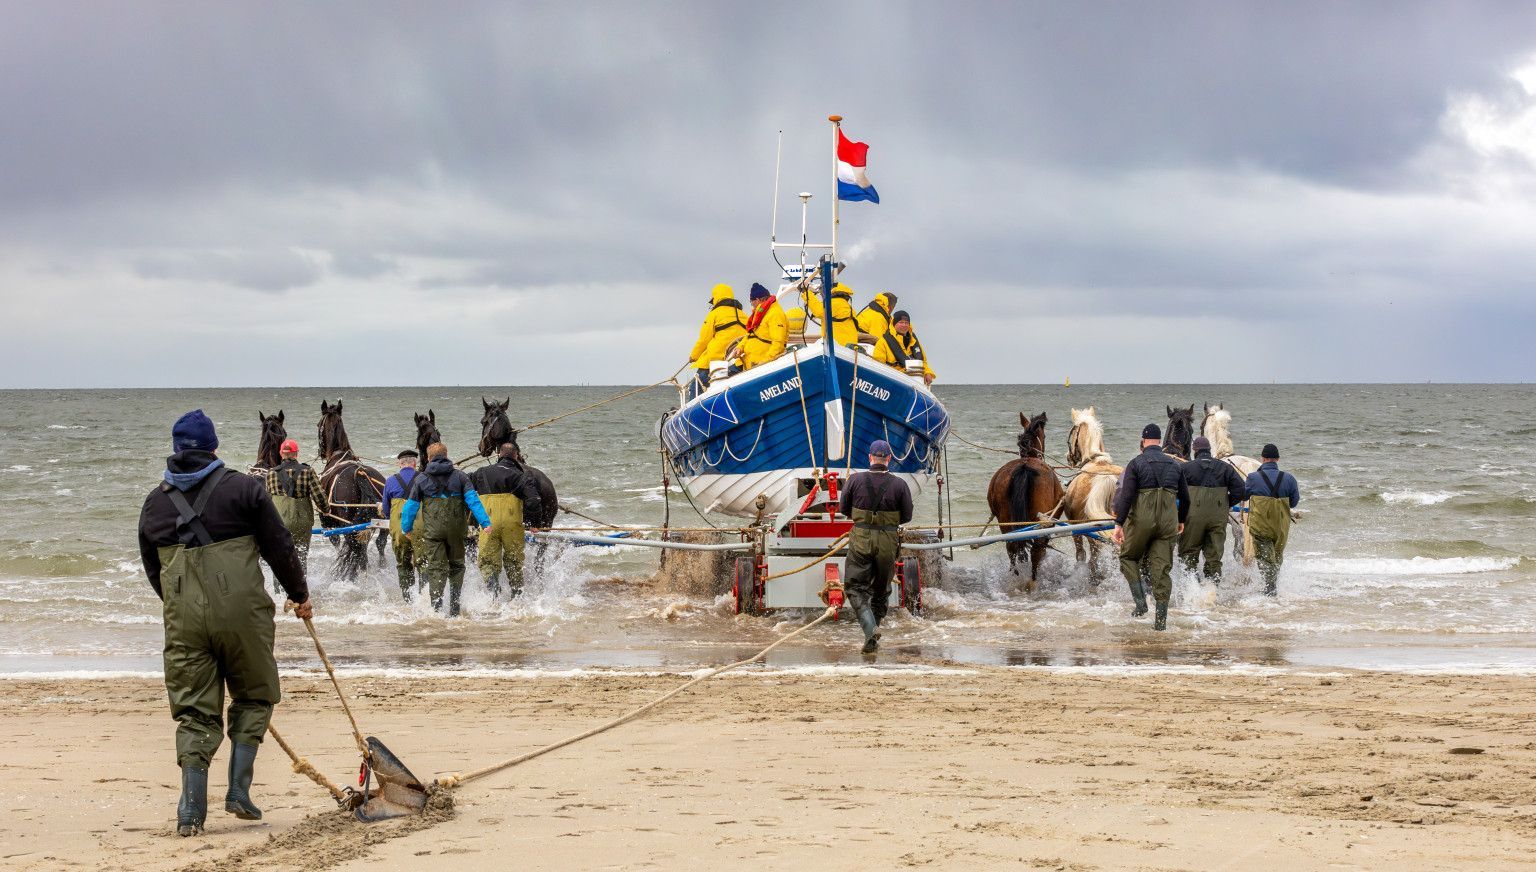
{"x": 1416, "y": 552}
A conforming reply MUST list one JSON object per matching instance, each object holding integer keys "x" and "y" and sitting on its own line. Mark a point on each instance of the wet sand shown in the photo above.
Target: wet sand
{"x": 841, "y": 769}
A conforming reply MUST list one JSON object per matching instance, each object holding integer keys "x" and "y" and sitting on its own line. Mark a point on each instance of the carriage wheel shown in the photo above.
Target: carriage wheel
{"x": 911, "y": 577}
{"x": 744, "y": 587}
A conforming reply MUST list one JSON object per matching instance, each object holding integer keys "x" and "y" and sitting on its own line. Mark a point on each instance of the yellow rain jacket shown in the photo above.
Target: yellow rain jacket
{"x": 796, "y": 318}
{"x": 724, "y": 324}
{"x": 845, "y": 328}
{"x": 875, "y": 319}
{"x": 768, "y": 340}
{"x": 907, "y": 347}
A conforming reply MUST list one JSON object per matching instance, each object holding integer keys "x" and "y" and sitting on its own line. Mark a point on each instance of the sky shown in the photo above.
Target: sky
{"x": 373, "y": 193}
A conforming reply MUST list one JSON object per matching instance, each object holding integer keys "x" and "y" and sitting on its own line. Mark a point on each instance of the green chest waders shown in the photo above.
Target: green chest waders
{"x": 441, "y": 527}
{"x": 405, "y": 561}
{"x": 1269, "y": 523}
{"x": 1205, "y": 530}
{"x": 218, "y": 632}
{"x": 873, "y": 546}
{"x": 501, "y": 547}
{"x": 298, "y": 514}
{"x": 1146, "y": 556}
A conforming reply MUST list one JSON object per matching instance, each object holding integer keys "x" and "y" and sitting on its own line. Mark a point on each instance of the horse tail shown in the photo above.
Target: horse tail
{"x": 1021, "y": 486}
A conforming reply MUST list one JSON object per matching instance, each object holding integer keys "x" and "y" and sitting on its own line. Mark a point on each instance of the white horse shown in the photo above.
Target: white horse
{"x": 1215, "y": 427}
{"x": 1091, "y": 493}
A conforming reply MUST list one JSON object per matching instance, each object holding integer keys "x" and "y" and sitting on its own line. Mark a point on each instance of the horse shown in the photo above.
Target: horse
{"x": 426, "y": 433}
{"x": 1023, "y": 493}
{"x": 1214, "y": 426}
{"x": 495, "y": 431}
{"x": 1091, "y": 493}
{"x": 268, "y": 455}
{"x": 353, "y": 490}
{"x": 1180, "y": 433}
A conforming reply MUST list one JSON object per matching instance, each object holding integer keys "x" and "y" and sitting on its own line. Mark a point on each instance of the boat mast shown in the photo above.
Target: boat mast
{"x": 837, "y": 131}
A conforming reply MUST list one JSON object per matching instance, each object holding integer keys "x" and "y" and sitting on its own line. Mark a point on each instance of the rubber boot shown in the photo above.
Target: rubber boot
{"x": 242, "y": 768}
{"x": 866, "y": 617}
{"x": 1160, "y": 622}
{"x": 192, "y": 810}
{"x": 1139, "y": 592}
{"x": 453, "y": 600}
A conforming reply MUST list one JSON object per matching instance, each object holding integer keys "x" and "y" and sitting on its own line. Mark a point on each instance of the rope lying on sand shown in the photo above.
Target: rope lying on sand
{"x": 458, "y": 778}
{"x": 302, "y": 766}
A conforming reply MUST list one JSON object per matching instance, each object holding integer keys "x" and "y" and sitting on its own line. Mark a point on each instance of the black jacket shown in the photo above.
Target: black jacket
{"x": 1148, "y": 470}
{"x": 240, "y": 506}
{"x": 865, "y": 489}
{"x": 1207, "y": 471}
{"x": 507, "y": 476}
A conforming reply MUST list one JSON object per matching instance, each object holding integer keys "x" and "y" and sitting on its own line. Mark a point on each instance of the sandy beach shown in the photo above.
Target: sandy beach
{"x": 929, "y": 766}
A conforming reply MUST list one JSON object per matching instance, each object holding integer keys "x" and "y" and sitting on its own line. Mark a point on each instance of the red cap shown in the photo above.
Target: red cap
{"x": 289, "y": 447}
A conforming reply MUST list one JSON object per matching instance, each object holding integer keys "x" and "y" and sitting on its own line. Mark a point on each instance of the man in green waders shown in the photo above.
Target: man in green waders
{"x": 1214, "y": 488}
{"x": 396, "y": 487}
{"x": 879, "y": 503}
{"x": 295, "y": 490}
{"x": 436, "y": 518}
{"x": 201, "y": 533}
{"x": 1272, "y": 493}
{"x": 1150, "y": 508}
{"x": 509, "y": 495}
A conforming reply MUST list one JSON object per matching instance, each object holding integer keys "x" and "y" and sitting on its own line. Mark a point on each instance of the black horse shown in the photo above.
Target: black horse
{"x": 1180, "y": 434}
{"x": 496, "y": 431}
{"x": 354, "y": 490}
{"x": 426, "y": 433}
{"x": 268, "y": 455}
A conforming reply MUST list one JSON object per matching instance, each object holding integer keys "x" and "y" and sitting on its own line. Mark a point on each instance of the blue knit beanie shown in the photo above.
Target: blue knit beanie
{"x": 194, "y": 432}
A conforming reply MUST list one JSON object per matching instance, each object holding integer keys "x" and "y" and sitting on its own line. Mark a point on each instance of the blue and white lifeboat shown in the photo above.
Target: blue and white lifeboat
{"x": 774, "y": 430}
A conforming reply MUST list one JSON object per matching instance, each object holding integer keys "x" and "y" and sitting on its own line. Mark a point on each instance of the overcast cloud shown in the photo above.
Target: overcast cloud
{"x": 374, "y": 193}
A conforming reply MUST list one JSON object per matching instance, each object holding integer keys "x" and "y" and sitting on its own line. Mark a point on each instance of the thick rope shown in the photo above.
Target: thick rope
{"x": 837, "y": 546}
{"x": 672, "y": 379}
{"x": 853, "y": 416}
{"x": 457, "y": 778}
{"x": 303, "y": 767}
{"x": 357, "y": 733}
{"x": 810, "y": 443}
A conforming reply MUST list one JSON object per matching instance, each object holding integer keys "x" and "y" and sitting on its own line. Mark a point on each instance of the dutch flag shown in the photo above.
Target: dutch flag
{"x": 852, "y": 184}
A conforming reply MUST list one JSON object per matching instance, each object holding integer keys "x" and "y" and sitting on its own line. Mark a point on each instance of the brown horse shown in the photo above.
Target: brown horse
{"x": 426, "y": 433}
{"x": 496, "y": 430}
{"x": 272, "y": 435}
{"x": 1023, "y": 492}
{"x": 1180, "y": 433}
{"x": 354, "y": 490}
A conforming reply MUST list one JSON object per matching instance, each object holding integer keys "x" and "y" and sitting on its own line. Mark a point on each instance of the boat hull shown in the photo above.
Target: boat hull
{"x": 764, "y": 432}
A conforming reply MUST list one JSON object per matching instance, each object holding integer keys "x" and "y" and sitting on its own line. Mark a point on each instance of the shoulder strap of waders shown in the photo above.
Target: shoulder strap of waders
{"x": 288, "y": 478}
{"x": 191, "y": 514}
{"x": 1274, "y": 485}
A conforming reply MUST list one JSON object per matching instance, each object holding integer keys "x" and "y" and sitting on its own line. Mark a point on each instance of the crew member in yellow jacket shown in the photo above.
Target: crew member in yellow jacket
{"x": 767, "y": 330}
{"x": 899, "y": 345}
{"x": 722, "y": 326}
{"x": 845, "y": 327}
{"x": 875, "y": 319}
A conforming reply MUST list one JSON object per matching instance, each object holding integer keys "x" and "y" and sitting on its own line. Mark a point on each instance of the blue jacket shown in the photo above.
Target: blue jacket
{"x": 440, "y": 481}
{"x": 397, "y": 486}
{"x": 1258, "y": 487}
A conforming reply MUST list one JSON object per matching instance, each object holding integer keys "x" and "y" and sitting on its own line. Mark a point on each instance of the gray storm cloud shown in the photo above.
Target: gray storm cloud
{"x": 544, "y": 193}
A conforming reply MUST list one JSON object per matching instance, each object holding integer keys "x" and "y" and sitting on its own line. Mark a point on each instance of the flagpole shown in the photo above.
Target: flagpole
{"x": 837, "y": 126}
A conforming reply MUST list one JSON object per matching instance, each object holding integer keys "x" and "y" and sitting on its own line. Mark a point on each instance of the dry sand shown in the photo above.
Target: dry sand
{"x": 969, "y": 769}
